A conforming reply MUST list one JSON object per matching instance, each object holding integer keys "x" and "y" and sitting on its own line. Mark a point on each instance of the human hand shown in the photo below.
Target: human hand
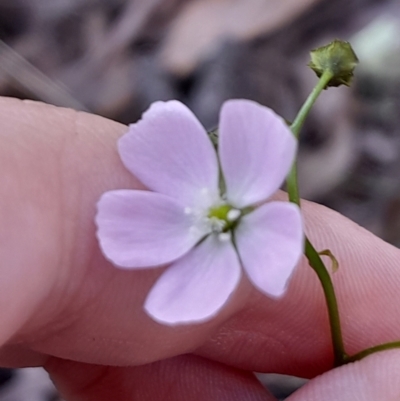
{"x": 66, "y": 308}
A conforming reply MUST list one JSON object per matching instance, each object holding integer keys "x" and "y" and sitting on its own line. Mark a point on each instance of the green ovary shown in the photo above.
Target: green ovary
{"x": 221, "y": 213}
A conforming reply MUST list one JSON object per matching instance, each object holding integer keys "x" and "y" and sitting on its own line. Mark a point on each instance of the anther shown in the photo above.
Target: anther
{"x": 233, "y": 214}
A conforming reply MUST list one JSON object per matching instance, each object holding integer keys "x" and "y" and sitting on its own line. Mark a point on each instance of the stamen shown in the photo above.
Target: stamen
{"x": 233, "y": 214}
{"x": 216, "y": 224}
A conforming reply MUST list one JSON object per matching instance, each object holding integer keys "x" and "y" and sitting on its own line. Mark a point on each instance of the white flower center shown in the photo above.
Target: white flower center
{"x": 219, "y": 218}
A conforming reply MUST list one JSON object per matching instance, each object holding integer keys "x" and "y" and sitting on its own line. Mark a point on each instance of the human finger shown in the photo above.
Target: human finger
{"x": 185, "y": 377}
{"x": 61, "y": 297}
{"x": 375, "y": 378}
{"x": 58, "y": 293}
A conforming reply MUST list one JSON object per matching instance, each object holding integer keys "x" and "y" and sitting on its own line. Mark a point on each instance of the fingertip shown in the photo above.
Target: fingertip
{"x": 374, "y": 378}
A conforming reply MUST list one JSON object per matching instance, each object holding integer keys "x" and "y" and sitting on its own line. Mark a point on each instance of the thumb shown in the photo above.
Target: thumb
{"x": 373, "y": 378}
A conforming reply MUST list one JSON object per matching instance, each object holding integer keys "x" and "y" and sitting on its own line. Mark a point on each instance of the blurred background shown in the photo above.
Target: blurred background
{"x": 115, "y": 57}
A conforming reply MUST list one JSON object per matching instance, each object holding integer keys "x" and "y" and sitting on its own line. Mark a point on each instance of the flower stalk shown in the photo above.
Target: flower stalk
{"x": 334, "y": 65}
{"x": 312, "y": 255}
{"x": 372, "y": 350}
{"x": 292, "y": 187}
{"x": 316, "y": 263}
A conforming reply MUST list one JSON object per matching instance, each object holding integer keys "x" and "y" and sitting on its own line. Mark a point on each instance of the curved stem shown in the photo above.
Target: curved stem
{"x": 292, "y": 186}
{"x": 314, "y": 259}
{"x": 372, "y": 350}
{"x": 309, "y": 103}
{"x": 318, "y": 266}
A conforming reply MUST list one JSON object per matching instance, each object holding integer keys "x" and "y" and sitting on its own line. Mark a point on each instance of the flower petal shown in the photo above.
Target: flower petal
{"x": 142, "y": 229}
{"x": 170, "y": 152}
{"x": 256, "y": 150}
{"x": 270, "y": 242}
{"x": 195, "y": 287}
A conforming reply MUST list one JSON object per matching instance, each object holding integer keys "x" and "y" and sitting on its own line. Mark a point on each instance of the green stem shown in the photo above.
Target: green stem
{"x": 372, "y": 350}
{"x": 312, "y": 255}
{"x": 292, "y": 186}
{"x": 309, "y": 103}
{"x": 315, "y": 261}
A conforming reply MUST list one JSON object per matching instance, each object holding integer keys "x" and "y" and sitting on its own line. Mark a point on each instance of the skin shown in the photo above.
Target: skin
{"x": 65, "y": 307}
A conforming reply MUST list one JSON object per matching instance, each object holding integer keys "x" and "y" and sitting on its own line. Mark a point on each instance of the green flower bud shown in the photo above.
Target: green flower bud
{"x": 338, "y": 58}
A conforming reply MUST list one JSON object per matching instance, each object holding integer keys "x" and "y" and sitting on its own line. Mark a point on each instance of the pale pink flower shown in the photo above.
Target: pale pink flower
{"x": 206, "y": 236}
